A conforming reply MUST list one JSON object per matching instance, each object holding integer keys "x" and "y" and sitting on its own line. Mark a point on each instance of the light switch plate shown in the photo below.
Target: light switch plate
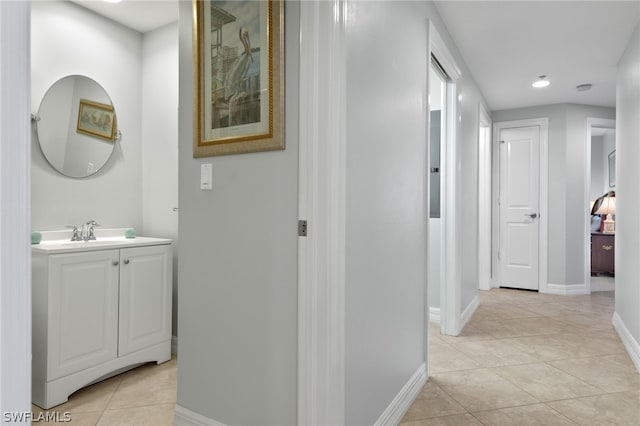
{"x": 206, "y": 177}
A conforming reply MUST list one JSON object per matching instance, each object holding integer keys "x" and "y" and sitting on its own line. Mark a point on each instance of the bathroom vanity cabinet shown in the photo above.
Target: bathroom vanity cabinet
{"x": 97, "y": 310}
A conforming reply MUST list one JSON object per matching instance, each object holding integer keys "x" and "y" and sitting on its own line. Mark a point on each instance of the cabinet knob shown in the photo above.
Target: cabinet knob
{"x": 126, "y": 261}
{"x": 115, "y": 263}
{"x": 607, "y": 248}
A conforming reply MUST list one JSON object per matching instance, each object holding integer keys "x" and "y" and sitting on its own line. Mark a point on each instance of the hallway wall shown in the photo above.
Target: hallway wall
{"x": 386, "y": 197}
{"x": 628, "y": 194}
{"x": 238, "y": 300}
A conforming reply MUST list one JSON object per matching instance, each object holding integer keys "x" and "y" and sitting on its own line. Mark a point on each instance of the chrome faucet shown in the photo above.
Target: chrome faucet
{"x": 76, "y": 233}
{"x": 87, "y": 230}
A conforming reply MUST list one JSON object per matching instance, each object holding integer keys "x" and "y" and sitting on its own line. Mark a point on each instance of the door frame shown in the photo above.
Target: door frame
{"x": 543, "y": 230}
{"x": 450, "y": 285}
{"x": 607, "y": 123}
{"x": 322, "y": 203}
{"x": 484, "y": 200}
{"x": 15, "y": 217}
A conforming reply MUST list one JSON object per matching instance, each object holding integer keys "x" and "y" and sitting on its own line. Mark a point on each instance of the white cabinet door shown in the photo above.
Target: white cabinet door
{"x": 83, "y": 311}
{"x": 145, "y": 297}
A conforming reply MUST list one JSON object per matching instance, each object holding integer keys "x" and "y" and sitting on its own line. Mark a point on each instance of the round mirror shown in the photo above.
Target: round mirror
{"x": 77, "y": 126}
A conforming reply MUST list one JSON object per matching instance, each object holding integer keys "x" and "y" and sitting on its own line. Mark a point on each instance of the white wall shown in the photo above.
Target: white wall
{"x": 469, "y": 97}
{"x": 386, "y": 197}
{"x": 628, "y": 191}
{"x": 601, "y": 147}
{"x": 160, "y": 140}
{"x": 435, "y": 257}
{"x": 386, "y": 204}
{"x": 567, "y": 153}
{"x": 598, "y": 182}
{"x": 237, "y": 306}
{"x": 608, "y": 146}
{"x": 68, "y": 39}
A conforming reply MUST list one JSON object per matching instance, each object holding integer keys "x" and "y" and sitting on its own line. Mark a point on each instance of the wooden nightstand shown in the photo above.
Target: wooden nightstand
{"x": 602, "y": 253}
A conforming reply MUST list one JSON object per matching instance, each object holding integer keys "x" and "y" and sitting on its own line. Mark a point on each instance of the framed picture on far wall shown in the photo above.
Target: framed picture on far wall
{"x": 96, "y": 119}
{"x": 612, "y": 169}
{"x": 239, "y": 77}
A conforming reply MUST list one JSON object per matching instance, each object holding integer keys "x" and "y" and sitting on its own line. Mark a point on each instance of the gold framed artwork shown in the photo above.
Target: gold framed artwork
{"x": 96, "y": 119}
{"x": 238, "y": 77}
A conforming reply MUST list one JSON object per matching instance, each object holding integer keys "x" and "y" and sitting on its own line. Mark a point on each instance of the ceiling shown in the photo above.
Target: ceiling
{"x": 140, "y": 15}
{"x": 507, "y": 44}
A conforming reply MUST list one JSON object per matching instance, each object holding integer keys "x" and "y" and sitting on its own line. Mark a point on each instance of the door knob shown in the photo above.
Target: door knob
{"x": 532, "y": 215}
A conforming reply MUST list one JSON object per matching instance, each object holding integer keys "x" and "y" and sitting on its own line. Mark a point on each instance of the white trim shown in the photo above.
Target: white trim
{"x": 469, "y": 311}
{"x": 174, "y": 345}
{"x": 441, "y": 52}
{"x": 484, "y": 199}
{"x": 185, "y": 417}
{"x": 450, "y": 285}
{"x": 321, "y": 255}
{"x": 15, "y": 215}
{"x": 434, "y": 315}
{"x": 630, "y": 344}
{"x": 543, "y": 230}
{"x": 566, "y": 289}
{"x": 607, "y": 123}
{"x": 393, "y": 414}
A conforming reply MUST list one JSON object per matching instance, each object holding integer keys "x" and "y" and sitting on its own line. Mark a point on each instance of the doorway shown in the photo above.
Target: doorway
{"x": 437, "y": 137}
{"x": 600, "y": 146}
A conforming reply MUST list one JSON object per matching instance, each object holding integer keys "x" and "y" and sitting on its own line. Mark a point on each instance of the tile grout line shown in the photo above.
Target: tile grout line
{"x": 579, "y": 378}
{"x": 108, "y": 402}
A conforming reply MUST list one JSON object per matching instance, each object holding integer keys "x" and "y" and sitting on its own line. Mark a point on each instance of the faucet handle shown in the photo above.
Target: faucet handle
{"x": 76, "y": 233}
{"x": 89, "y": 226}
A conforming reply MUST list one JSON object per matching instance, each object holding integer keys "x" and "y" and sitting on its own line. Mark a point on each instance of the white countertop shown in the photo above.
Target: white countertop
{"x": 54, "y": 242}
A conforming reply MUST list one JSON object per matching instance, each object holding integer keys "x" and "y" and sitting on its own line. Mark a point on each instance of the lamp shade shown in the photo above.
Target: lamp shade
{"x": 608, "y": 206}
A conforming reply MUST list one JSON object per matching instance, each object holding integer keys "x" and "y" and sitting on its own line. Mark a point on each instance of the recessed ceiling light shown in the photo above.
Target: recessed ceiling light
{"x": 113, "y": 1}
{"x": 584, "y": 87}
{"x": 541, "y": 82}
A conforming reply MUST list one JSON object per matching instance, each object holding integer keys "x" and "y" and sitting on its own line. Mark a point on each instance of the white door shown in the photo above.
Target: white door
{"x": 83, "y": 311}
{"x": 145, "y": 297}
{"x": 519, "y": 207}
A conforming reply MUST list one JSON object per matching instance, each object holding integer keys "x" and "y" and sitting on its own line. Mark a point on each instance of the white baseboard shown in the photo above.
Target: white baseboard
{"x": 401, "y": 403}
{"x": 174, "y": 345}
{"x": 186, "y": 417}
{"x": 630, "y": 344}
{"x": 566, "y": 289}
{"x": 468, "y": 312}
{"x": 434, "y": 315}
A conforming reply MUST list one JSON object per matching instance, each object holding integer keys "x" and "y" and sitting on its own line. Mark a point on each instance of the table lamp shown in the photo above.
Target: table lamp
{"x": 608, "y": 208}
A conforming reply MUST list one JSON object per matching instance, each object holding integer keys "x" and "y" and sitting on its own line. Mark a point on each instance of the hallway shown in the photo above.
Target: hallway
{"x": 527, "y": 358}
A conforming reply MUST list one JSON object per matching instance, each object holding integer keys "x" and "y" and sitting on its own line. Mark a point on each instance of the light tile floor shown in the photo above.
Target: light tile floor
{"x": 530, "y": 359}
{"x": 523, "y": 359}
{"x": 145, "y": 396}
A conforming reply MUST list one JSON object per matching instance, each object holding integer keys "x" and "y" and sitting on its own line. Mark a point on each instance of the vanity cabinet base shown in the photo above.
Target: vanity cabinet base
{"x": 49, "y": 394}
{"x": 97, "y": 313}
